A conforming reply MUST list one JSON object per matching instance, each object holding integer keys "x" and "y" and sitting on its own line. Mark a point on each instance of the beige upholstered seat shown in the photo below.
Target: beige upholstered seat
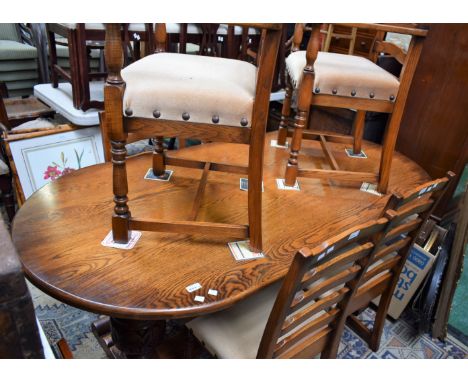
{"x": 196, "y": 29}
{"x": 345, "y": 75}
{"x": 135, "y": 27}
{"x": 201, "y": 87}
{"x": 235, "y": 333}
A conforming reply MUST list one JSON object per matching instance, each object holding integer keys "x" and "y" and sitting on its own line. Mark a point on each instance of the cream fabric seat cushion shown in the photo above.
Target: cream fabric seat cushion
{"x": 346, "y": 74}
{"x": 135, "y": 27}
{"x": 202, "y": 86}
{"x": 196, "y": 29}
{"x": 236, "y": 333}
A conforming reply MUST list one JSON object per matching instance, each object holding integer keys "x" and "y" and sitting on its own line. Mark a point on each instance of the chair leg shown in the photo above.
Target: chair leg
{"x": 73, "y": 47}
{"x": 120, "y": 219}
{"x": 159, "y": 162}
{"x": 358, "y": 128}
{"x": 285, "y": 114}
{"x": 52, "y": 58}
{"x": 304, "y": 101}
{"x": 7, "y": 196}
{"x": 388, "y": 147}
{"x": 291, "y": 170}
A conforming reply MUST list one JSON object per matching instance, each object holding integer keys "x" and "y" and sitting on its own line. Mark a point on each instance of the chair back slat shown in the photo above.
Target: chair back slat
{"x": 323, "y": 270}
{"x": 310, "y": 346}
{"x": 316, "y": 291}
{"x": 395, "y": 246}
{"x": 295, "y": 319}
{"x": 428, "y": 188}
{"x": 380, "y": 267}
{"x": 302, "y": 297}
{"x": 403, "y": 229}
{"x": 323, "y": 319}
{"x": 407, "y": 211}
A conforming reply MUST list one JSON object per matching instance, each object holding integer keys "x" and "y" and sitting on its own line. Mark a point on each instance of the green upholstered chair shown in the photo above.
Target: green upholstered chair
{"x": 18, "y": 61}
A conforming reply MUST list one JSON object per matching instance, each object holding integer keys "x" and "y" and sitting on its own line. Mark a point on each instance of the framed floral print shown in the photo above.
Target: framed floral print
{"x": 43, "y": 159}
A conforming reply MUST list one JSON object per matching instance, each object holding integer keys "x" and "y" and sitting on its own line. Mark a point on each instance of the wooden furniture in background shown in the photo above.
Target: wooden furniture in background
{"x": 81, "y": 38}
{"x": 249, "y": 129}
{"x": 147, "y": 283}
{"x": 434, "y": 130}
{"x": 308, "y": 313}
{"x": 407, "y": 213}
{"x": 351, "y": 39}
{"x": 13, "y": 112}
{"x": 331, "y": 33}
{"x": 379, "y": 92}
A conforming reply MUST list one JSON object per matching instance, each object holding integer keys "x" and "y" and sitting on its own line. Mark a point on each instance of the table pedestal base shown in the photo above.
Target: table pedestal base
{"x": 123, "y": 338}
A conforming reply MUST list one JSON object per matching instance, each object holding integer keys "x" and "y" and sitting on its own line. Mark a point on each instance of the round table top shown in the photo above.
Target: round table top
{"x": 58, "y": 231}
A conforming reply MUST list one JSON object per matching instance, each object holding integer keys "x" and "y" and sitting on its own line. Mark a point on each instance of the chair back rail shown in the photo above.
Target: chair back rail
{"x": 309, "y": 313}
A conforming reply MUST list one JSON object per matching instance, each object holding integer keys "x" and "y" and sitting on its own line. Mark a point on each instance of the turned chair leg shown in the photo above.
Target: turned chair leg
{"x": 159, "y": 162}
{"x": 121, "y": 217}
{"x": 292, "y": 168}
{"x": 358, "y": 128}
{"x": 285, "y": 115}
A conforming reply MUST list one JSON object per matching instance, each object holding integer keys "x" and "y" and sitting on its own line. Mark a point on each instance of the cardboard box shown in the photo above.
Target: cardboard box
{"x": 417, "y": 266}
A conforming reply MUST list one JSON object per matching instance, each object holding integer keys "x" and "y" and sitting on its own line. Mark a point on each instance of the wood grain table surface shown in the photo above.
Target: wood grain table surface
{"x": 58, "y": 231}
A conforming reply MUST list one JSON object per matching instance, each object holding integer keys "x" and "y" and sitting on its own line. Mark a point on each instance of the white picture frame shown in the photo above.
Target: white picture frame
{"x": 41, "y": 160}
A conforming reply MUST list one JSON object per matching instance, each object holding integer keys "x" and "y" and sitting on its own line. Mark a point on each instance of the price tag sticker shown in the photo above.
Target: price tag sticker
{"x": 199, "y": 298}
{"x": 193, "y": 287}
{"x": 354, "y": 234}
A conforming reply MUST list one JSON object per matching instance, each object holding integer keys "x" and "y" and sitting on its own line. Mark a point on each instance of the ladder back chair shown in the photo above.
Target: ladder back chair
{"x": 306, "y": 315}
{"x": 346, "y": 81}
{"x": 407, "y": 214}
{"x": 188, "y": 96}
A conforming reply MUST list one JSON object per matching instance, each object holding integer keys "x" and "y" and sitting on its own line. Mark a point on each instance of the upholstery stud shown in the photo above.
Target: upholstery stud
{"x": 334, "y": 91}
{"x": 128, "y": 112}
{"x": 317, "y": 90}
{"x": 353, "y": 93}
{"x": 185, "y": 116}
{"x": 392, "y": 97}
{"x": 156, "y": 114}
{"x": 371, "y": 95}
{"x": 215, "y": 118}
{"x": 244, "y": 122}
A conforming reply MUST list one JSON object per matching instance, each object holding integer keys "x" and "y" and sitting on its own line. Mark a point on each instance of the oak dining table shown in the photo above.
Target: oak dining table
{"x": 59, "y": 230}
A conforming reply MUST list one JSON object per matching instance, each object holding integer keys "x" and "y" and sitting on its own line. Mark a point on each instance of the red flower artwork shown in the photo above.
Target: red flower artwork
{"x": 52, "y": 172}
